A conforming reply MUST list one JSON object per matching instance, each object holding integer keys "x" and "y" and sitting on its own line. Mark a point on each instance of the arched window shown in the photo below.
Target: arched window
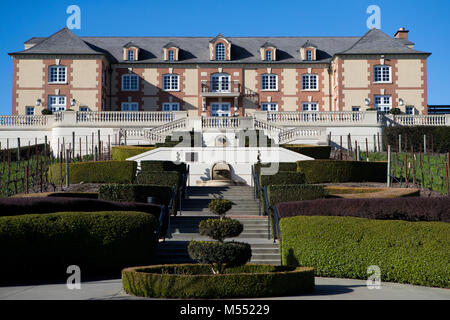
{"x": 220, "y": 52}
{"x": 57, "y": 74}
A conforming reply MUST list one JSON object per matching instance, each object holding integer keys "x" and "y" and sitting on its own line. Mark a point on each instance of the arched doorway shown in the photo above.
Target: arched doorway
{"x": 221, "y": 171}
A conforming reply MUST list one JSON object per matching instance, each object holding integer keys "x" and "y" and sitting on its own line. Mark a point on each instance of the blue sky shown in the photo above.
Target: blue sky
{"x": 427, "y": 21}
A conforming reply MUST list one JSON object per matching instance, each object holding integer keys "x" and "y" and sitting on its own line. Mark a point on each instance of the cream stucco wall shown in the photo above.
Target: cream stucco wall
{"x": 356, "y": 74}
{"x": 150, "y": 103}
{"x": 84, "y": 73}
{"x": 409, "y": 73}
{"x": 354, "y": 98}
{"x": 411, "y": 97}
{"x": 250, "y": 80}
{"x": 289, "y": 80}
{"x": 87, "y": 98}
{"x": 27, "y": 98}
{"x": 191, "y": 82}
{"x": 30, "y": 73}
{"x": 290, "y": 103}
{"x": 151, "y": 82}
{"x": 191, "y": 106}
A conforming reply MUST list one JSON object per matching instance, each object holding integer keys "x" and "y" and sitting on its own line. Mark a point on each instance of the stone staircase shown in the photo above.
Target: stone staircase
{"x": 184, "y": 228}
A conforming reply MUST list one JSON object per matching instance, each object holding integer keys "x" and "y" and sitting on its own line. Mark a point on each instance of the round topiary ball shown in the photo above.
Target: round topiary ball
{"x": 220, "y": 254}
{"x": 219, "y": 229}
{"x": 220, "y": 206}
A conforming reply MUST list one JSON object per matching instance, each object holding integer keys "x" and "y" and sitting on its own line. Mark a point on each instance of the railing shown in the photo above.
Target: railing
{"x": 170, "y": 127}
{"x": 268, "y": 213}
{"x": 277, "y": 228}
{"x": 125, "y": 116}
{"x": 23, "y": 121}
{"x": 292, "y": 134}
{"x": 164, "y": 217}
{"x": 316, "y": 117}
{"x": 226, "y": 122}
{"x": 420, "y": 120}
{"x": 257, "y": 190}
{"x": 273, "y": 129}
{"x": 224, "y": 86}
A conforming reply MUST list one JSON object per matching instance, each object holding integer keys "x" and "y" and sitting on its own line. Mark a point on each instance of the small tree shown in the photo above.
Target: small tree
{"x": 220, "y": 254}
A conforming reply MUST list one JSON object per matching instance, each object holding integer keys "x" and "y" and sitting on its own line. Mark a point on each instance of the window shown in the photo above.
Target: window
{"x": 356, "y": 109}
{"x": 171, "y": 106}
{"x": 383, "y": 103}
{"x": 220, "y": 110}
{"x": 57, "y": 74}
{"x": 409, "y": 110}
{"x": 130, "y": 106}
{"x": 268, "y": 55}
{"x": 220, "y": 52}
{"x": 130, "y": 82}
{"x": 170, "y": 55}
{"x": 220, "y": 82}
{"x": 170, "y": 82}
{"x": 269, "y": 82}
{"x": 266, "y": 106}
{"x": 57, "y": 103}
{"x": 382, "y": 74}
{"x": 309, "y": 82}
{"x": 30, "y": 111}
{"x": 309, "y": 106}
{"x": 308, "y": 55}
{"x": 84, "y": 109}
{"x": 130, "y": 55}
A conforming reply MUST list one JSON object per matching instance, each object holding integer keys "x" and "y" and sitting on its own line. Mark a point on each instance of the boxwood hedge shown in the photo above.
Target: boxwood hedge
{"x": 316, "y": 152}
{"x": 408, "y": 209}
{"x": 294, "y": 192}
{"x": 122, "y": 153}
{"x": 322, "y": 171}
{"x": 95, "y": 172}
{"x": 41, "y": 205}
{"x": 154, "y": 165}
{"x": 344, "y": 247}
{"x": 166, "y": 178}
{"x": 197, "y": 281}
{"x": 281, "y": 178}
{"x": 41, "y": 247}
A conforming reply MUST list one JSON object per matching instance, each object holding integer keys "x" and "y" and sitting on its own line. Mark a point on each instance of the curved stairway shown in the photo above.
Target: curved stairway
{"x": 184, "y": 227}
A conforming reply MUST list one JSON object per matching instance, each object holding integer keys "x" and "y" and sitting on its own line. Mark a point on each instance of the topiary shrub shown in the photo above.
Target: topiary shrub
{"x": 95, "y": 172}
{"x": 46, "y": 112}
{"x": 122, "y": 153}
{"x": 220, "y": 206}
{"x": 323, "y": 171}
{"x": 40, "y": 247}
{"x": 395, "y": 111}
{"x": 294, "y": 192}
{"x": 219, "y": 229}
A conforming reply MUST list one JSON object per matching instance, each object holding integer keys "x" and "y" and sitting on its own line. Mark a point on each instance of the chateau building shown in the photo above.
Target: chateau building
{"x": 220, "y": 76}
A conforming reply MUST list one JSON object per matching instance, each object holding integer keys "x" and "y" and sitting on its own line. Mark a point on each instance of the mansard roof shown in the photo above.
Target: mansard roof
{"x": 131, "y": 44}
{"x": 268, "y": 45}
{"x": 170, "y": 45}
{"x": 309, "y": 44}
{"x": 195, "y": 49}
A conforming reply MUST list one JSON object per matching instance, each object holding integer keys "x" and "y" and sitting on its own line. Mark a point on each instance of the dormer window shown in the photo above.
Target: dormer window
{"x": 220, "y": 52}
{"x": 308, "y": 52}
{"x": 220, "y": 49}
{"x": 130, "y": 55}
{"x": 268, "y": 52}
{"x": 130, "y": 52}
{"x": 171, "y": 51}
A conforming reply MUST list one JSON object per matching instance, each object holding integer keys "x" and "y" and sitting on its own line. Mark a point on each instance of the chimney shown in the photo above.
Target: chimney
{"x": 402, "y": 33}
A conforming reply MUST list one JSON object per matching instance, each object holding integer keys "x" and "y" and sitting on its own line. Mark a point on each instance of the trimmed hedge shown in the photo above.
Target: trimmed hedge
{"x": 294, "y": 192}
{"x": 282, "y": 166}
{"x": 41, "y": 247}
{"x": 408, "y": 209}
{"x": 150, "y": 165}
{"x": 219, "y": 254}
{"x": 166, "y": 178}
{"x": 85, "y": 195}
{"x": 322, "y": 171}
{"x": 136, "y": 193}
{"x": 42, "y": 205}
{"x": 316, "y": 152}
{"x": 122, "y": 153}
{"x": 197, "y": 281}
{"x": 344, "y": 247}
{"x": 95, "y": 172}
{"x": 414, "y": 136}
{"x": 282, "y": 178}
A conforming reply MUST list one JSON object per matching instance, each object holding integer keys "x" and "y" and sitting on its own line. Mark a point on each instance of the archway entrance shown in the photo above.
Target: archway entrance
{"x": 221, "y": 171}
